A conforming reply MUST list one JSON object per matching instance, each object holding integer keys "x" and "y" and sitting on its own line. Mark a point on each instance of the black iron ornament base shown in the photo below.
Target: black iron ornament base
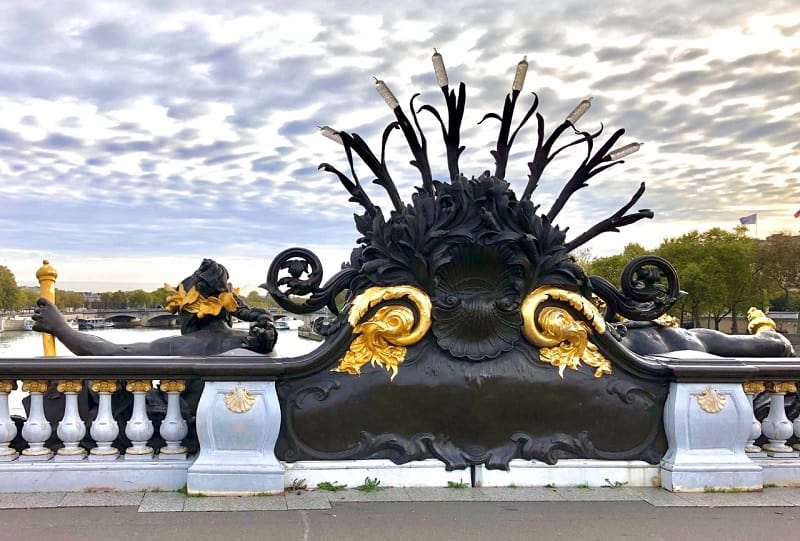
{"x": 469, "y": 298}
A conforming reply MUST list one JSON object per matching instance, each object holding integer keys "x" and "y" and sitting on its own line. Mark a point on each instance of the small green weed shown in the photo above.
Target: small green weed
{"x": 615, "y": 484}
{"x": 583, "y": 485}
{"x": 298, "y": 484}
{"x": 331, "y": 487}
{"x": 454, "y": 484}
{"x": 512, "y": 485}
{"x": 370, "y": 485}
{"x": 770, "y": 485}
{"x": 715, "y": 490}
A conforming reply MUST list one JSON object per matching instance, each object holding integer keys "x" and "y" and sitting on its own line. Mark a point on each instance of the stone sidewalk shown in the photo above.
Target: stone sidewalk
{"x": 160, "y": 502}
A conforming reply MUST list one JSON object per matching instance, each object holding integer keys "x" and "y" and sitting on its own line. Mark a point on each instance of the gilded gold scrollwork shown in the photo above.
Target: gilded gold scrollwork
{"x": 712, "y": 401}
{"x": 382, "y": 339}
{"x": 562, "y": 340}
{"x": 7, "y": 385}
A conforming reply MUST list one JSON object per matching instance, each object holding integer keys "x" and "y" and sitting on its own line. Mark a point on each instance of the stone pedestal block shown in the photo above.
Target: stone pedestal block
{"x": 237, "y": 427}
{"x": 707, "y": 427}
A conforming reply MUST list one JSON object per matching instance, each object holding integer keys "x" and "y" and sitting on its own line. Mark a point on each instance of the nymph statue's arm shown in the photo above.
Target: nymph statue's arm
{"x": 49, "y": 319}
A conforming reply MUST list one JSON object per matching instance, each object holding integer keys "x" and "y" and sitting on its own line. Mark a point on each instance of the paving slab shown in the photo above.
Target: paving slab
{"x": 307, "y": 499}
{"x": 236, "y": 503}
{"x": 101, "y": 499}
{"x": 440, "y": 494}
{"x": 790, "y": 495}
{"x": 162, "y": 502}
{"x": 658, "y": 497}
{"x": 738, "y": 499}
{"x": 387, "y": 494}
{"x": 519, "y": 494}
{"x": 622, "y": 494}
{"x": 33, "y": 500}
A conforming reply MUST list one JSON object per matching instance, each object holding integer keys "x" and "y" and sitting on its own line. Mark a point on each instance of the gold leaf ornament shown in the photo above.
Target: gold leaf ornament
{"x": 757, "y": 321}
{"x": 193, "y": 302}
{"x": 381, "y": 340}
{"x": 563, "y": 341}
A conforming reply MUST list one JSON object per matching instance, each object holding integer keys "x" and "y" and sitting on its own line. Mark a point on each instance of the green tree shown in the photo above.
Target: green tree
{"x": 139, "y": 297}
{"x": 159, "y": 296}
{"x": 10, "y": 294}
{"x": 29, "y": 297}
{"x": 779, "y": 256}
{"x": 69, "y": 299}
{"x": 718, "y": 270}
{"x": 611, "y": 267}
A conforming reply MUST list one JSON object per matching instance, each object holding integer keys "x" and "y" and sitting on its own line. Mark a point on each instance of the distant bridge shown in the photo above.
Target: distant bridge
{"x": 157, "y": 317}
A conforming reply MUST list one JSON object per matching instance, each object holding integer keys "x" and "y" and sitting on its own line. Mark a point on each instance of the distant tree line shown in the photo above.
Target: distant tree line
{"x": 14, "y": 298}
{"x": 724, "y": 272}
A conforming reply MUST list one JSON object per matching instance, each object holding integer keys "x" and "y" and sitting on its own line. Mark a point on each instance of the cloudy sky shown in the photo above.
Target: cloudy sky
{"x": 137, "y": 137}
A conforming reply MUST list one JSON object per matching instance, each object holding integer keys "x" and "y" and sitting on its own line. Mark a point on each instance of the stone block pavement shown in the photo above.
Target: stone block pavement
{"x": 166, "y": 502}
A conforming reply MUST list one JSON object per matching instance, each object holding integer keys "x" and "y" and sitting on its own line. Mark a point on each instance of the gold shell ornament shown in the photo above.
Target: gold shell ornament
{"x": 239, "y": 400}
{"x": 382, "y": 339}
{"x": 712, "y": 401}
{"x": 562, "y": 340}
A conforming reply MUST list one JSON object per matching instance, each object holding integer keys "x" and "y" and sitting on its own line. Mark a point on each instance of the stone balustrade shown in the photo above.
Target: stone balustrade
{"x": 730, "y": 424}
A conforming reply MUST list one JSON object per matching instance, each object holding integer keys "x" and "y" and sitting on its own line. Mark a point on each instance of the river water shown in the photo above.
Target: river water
{"x": 29, "y": 344}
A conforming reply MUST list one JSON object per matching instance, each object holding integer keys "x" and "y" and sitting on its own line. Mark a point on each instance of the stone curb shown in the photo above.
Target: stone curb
{"x": 168, "y": 502}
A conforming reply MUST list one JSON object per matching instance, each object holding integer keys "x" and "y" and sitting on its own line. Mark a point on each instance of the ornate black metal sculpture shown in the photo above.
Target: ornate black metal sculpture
{"x": 468, "y": 297}
{"x": 469, "y": 333}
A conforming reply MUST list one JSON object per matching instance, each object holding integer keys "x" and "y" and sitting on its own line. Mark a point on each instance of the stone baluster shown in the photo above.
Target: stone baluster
{"x": 777, "y": 427}
{"x": 36, "y": 429}
{"x": 751, "y": 389}
{"x": 104, "y": 428}
{"x": 71, "y": 429}
{"x": 139, "y": 429}
{"x": 173, "y": 428}
{"x": 8, "y": 430}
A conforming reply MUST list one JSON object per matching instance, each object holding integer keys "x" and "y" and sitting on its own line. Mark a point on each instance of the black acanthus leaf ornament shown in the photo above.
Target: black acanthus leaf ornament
{"x": 468, "y": 243}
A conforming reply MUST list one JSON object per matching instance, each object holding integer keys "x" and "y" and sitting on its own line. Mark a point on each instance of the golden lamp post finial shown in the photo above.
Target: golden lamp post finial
{"x": 47, "y": 289}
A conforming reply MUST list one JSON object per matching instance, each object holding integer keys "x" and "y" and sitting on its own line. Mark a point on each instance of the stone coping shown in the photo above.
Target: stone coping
{"x": 155, "y": 502}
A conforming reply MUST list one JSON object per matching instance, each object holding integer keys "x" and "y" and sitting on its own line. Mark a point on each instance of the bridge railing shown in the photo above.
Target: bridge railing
{"x": 728, "y": 422}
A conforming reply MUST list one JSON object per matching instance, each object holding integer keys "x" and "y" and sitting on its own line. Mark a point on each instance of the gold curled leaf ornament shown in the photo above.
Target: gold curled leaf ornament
{"x": 381, "y": 340}
{"x": 104, "y": 386}
{"x": 7, "y": 385}
{"x": 781, "y": 387}
{"x": 757, "y": 321}
{"x": 69, "y": 386}
{"x": 139, "y": 386}
{"x": 562, "y": 340}
{"x": 34, "y": 385}
{"x": 239, "y": 400}
{"x": 754, "y": 387}
{"x": 193, "y": 302}
{"x": 712, "y": 401}
{"x": 172, "y": 385}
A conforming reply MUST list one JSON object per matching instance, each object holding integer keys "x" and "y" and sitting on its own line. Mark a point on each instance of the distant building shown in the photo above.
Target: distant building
{"x": 90, "y": 300}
